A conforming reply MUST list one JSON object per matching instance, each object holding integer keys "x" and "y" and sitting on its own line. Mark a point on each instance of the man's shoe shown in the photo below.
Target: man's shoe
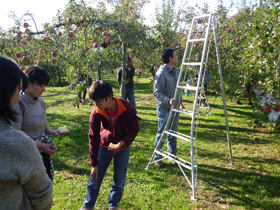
{"x": 113, "y": 208}
{"x": 250, "y": 103}
{"x": 158, "y": 164}
{"x": 83, "y": 208}
{"x": 238, "y": 102}
{"x": 171, "y": 161}
{"x": 139, "y": 118}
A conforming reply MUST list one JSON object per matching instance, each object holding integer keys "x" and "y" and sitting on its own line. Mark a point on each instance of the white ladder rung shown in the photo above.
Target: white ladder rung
{"x": 193, "y": 64}
{"x": 188, "y": 87}
{"x": 202, "y": 16}
{"x": 184, "y": 111}
{"x": 179, "y": 135}
{"x": 197, "y": 40}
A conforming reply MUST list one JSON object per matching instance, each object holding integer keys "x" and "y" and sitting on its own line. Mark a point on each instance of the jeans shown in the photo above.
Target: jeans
{"x": 84, "y": 94}
{"x": 162, "y": 114}
{"x": 120, "y": 167}
{"x": 129, "y": 94}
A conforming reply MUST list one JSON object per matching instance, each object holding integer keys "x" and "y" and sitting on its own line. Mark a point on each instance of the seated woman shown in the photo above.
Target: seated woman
{"x": 23, "y": 181}
{"x": 32, "y": 118}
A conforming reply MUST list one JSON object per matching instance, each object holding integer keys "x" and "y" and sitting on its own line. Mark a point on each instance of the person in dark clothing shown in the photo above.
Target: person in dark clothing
{"x": 129, "y": 86}
{"x": 84, "y": 90}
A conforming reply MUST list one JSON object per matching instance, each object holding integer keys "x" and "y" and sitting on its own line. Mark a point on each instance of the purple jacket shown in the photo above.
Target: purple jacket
{"x": 101, "y": 133}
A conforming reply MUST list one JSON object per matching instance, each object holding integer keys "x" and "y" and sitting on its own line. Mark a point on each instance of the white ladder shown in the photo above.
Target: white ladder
{"x": 203, "y": 26}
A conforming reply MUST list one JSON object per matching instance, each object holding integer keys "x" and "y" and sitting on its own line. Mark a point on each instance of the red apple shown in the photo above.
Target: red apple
{"x": 40, "y": 63}
{"x": 209, "y": 54}
{"x": 195, "y": 45}
{"x": 83, "y": 18}
{"x": 131, "y": 55}
{"x": 53, "y": 60}
{"x": 130, "y": 8}
{"x": 201, "y": 48}
{"x": 59, "y": 33}
{"x": 45, "y": 39}
{"x": 139, "y": 73}
{"x": 94, "y": 39}
{"x": 123, "y": 30}
{"x": 25, "y": 25}
{"x": 229, "y": 30}
{"x": 69, "y": 20}
{"x": 107, "y": 41}
{"x": 90, "y": 104}
{"x": 84, "y": 25}
{"x": 210, "y": 66}
{"x": 75, "y": 31}
{"x": 54, "y": 54}
{"x": 24, "y": 58}
{"x": 237, "y": 40}
{"x": 19, "y": 33}
{"x": 277, "y": 108}
{"x": 23, "y": 42}
{"x": 109, "y": 36}
{"x": 18, "y": 55}
{"x": 87, "y": 49}
{"x": 267, "y": 108}
{"x": 28, "y": 38}
{"x": 104, "y": 33}
{"x": 173, "y": 46}
{"x": 71, "y": 34}
{"x": 95, "y": 45}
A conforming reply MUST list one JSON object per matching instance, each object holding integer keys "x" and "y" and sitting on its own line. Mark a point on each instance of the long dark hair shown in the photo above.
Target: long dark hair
{"x": 10, "y": 78}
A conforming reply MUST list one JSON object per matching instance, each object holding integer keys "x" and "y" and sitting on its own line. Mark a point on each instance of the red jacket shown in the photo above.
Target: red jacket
{"x": 101, "y": 133}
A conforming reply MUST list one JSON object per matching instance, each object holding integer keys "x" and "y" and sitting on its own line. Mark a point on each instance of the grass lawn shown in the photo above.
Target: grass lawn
{"x": 253, "y": 182}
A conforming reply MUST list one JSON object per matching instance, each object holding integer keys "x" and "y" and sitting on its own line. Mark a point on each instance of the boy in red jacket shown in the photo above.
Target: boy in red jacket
{"x": 113, "y": 127}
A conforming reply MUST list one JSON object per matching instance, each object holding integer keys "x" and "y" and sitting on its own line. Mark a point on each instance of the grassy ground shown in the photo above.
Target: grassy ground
{"x": 253, "y": 182}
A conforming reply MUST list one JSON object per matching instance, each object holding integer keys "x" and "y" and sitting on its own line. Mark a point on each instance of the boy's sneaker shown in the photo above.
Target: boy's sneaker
{"x": 158, "y": 164}
{"x": 113, "y": 208}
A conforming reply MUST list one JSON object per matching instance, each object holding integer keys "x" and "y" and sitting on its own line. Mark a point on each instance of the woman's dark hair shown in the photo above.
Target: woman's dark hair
{"x": 100, "y": 89}
{"x": 37, "y": 75}
{"x": 10, "y": 78}
{"x": 166, "y": 53}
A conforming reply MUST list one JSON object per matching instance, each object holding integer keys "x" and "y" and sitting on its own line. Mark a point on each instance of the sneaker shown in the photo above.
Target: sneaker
{"x": 238, "y": 102}
{"x": 171, "y": 161}
{"x": 113, "y": 208}
{"x": 139, "y": 118}
{"x": 83, "y": 208}
{"x": 158, "y": 164}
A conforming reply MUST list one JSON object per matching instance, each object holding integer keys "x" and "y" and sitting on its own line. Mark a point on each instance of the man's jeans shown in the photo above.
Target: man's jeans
{"x": 162, "y": 114}
{"x": 120, "y": 167}
{"x": 129, "y": 94}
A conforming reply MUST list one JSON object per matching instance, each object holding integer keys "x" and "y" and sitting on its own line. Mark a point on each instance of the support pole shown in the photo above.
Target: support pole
{"x": 123, "y": 69}
{"x": 223, "y": 92}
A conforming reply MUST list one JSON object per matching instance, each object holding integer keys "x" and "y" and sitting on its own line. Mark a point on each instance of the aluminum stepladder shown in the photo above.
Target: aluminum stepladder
{"x": 211, "y": 21}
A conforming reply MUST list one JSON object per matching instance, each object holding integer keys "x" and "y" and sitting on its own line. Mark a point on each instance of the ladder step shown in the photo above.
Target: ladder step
{"x": 202, "y": 16}
{"x": 188, "y": 87}
{"x": 184, "y": 111}
{"x": 193, "y": 64}
{"x": 179, "y": 135}
{"x": 197, "y": 40}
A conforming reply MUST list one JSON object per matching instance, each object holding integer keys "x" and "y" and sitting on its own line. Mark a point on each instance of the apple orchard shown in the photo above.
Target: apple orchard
{"x": 88, "y": 40}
